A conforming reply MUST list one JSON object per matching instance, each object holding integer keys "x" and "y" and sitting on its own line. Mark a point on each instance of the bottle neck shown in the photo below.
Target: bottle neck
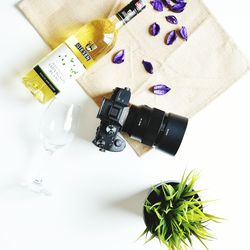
{"x": 128, "y": 13}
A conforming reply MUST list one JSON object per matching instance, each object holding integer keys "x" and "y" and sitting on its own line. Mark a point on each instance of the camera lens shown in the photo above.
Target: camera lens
{"x": 154, "y": 127}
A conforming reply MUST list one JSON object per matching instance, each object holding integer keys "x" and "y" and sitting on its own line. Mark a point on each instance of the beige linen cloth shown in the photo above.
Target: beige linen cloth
{"x": 197, "y": 71}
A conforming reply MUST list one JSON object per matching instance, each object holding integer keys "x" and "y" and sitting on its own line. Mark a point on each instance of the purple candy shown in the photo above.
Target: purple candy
{"x": 118, "y": 58}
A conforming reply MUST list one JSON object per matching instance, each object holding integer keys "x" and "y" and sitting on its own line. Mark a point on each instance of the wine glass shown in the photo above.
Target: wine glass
{"x": 58, "y": 126}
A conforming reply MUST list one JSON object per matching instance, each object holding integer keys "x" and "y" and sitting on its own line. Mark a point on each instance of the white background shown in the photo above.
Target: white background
{"x": 97, "y": 198}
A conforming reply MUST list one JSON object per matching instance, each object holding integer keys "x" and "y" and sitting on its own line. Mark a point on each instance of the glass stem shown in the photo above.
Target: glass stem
{"x": 37, "y": 176}
{"x": 43, "y": 166}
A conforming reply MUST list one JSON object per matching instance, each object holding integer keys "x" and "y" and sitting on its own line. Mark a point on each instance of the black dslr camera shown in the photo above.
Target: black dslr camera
{"x": 152, "y": 127}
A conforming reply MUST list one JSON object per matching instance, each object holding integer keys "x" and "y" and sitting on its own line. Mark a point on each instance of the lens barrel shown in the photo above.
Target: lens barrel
{"x": 154, "y": 127}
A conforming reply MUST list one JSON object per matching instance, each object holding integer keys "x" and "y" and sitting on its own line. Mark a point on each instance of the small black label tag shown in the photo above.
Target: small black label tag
{"x": 48, "y": 82}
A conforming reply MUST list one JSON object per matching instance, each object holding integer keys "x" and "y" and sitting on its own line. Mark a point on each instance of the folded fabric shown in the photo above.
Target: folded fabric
{"x": 197, "y": 71}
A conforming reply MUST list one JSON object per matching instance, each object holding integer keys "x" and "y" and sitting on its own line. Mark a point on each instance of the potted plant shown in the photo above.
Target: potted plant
{"x": 173, "y": 213}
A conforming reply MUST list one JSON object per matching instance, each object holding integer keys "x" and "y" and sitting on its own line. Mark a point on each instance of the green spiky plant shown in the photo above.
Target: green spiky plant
{"x": 173, "y": 213}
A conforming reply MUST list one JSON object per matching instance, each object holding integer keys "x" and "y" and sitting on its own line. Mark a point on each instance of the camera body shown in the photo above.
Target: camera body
{"x": 152, "y": 127}
{"x": 113, "y": 114}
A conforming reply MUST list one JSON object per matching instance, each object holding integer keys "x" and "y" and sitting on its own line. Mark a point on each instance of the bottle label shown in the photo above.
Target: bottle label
{"x": 131, "y": 10}
{"x": 82, "y": 51}
{"x": 64, "y": 65}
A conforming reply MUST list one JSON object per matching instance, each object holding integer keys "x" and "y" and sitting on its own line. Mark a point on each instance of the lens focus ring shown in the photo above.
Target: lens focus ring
{"x": 153, "y": 127}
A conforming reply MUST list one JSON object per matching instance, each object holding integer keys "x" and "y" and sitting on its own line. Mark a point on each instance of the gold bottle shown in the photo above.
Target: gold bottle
{"x": 77, "y": 54}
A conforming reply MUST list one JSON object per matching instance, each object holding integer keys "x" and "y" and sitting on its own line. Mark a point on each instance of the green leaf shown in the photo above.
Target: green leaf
{"x": 148, "y": 209}
{"x": 192, "y": 193}
{"x": 213, "y": 218}
{"x": 160, "y": 217}
{"x": 144, "y": 233}
{"x": 170, "y": 197}
{"x": 151, "y": 237}
{"x": 160, "y": 225}
{"x": 180, "y": 214}
{"x": 156, "y": 190}
{"x": 167, "y": 210}
{"x": 182, "y": 184}
{"x": 155, "y": 205}
{"x": 170, "y": 189}
{"x": 200, "y": 240}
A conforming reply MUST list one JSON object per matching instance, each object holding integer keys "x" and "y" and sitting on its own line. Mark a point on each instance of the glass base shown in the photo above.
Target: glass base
{"x": 36, "y": 186}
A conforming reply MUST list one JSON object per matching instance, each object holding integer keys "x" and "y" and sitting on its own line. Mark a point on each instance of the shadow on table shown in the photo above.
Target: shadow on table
{"x": 132, "y": 204}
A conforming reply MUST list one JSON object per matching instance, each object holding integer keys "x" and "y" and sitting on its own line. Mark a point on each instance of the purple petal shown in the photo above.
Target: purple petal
{"x": 171, "y": 37}
{"x": 154, "y": 29}
{"x": 179, "y": 7}
{"x": 157, "y": 5}
{"x": 118, "y": 58}
{"x": 178, "y": 1}
{"x": 167, "y": 3}
{"x": 172, "y": 19}
{"x": 148, "y": 67}
{"x": 183, "y": 33}
{"x": 161, "y": 89}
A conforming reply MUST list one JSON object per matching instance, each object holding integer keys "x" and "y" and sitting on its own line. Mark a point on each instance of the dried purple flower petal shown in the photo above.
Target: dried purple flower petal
{"x": 118, "y": 58}
{"x": 183, "y": 33}
{"x": 154, "y": 29}
{"x": 148, "y": 67}
{"x": 171, "y": 37}
{"x": 179, "y": 7}
{"x": 160, "y": 89}
{"x": 167, "y": 3}
{"x": 157, "y": 5}
{"x": 172, "y": 19}
{"x": 178, "y": 1}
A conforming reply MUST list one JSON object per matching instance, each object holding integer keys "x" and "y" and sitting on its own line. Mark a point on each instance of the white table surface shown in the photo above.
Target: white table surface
{"x": 97, "y": 198}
